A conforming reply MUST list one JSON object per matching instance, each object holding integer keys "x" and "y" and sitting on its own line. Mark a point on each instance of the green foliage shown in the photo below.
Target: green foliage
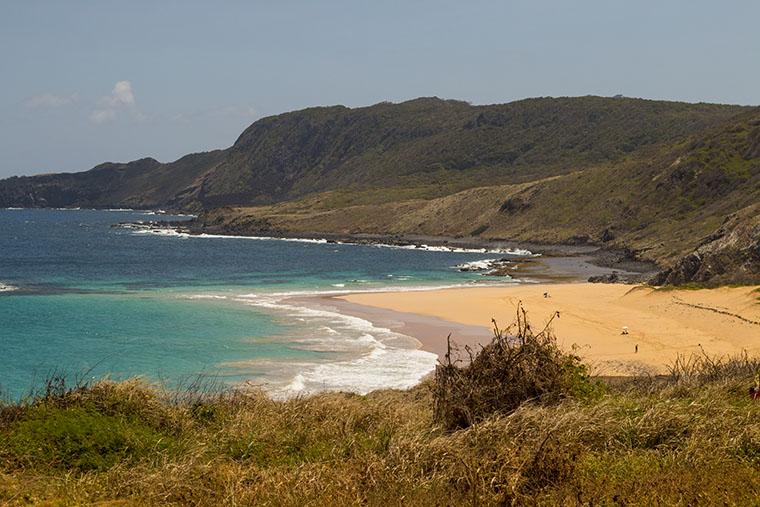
{"x": 435, "y": 146}
{"x": 78, "y": 438}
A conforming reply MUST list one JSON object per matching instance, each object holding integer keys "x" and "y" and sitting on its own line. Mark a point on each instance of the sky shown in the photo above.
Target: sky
{"x": 84, "y": 82}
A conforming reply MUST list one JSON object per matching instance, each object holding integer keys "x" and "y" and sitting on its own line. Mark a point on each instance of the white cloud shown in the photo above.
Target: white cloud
{"x": 102, "y": 115}
{"x": 50, "y": 101}
{"x": 122, "y": 97}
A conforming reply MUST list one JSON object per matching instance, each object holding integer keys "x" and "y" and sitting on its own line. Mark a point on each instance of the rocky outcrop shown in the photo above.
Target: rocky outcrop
{"x": 730, "y": 255}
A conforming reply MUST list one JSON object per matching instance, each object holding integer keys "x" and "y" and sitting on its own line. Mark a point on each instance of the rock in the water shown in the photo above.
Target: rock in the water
{"x": 494, "y": 267}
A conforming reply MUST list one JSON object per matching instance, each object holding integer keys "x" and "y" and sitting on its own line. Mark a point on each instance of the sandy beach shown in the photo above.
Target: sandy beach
{"x": 661, "y": 323}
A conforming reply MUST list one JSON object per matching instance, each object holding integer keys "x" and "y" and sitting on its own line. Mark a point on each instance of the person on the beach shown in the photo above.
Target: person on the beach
{"x": 636, "y": 349}
{"x": 754, "y": 391}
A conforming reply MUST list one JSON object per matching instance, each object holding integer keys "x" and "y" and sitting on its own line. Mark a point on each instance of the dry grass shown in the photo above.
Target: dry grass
{"x": 691, "y": 439}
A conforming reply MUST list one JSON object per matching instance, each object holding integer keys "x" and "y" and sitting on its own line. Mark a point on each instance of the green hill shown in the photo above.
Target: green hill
{"x": 434, "y": 146}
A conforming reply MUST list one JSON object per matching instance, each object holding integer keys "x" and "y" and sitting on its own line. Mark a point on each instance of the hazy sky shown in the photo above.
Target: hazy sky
{"x": 82, "y": 82}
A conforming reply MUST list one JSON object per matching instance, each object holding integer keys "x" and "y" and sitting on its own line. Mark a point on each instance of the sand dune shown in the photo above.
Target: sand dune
{"x": 663, "y": 323}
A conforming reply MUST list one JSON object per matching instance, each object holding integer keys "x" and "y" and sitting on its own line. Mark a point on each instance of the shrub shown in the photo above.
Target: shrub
{"x": 77, "y": 438}
{"x": 517, "y": 366}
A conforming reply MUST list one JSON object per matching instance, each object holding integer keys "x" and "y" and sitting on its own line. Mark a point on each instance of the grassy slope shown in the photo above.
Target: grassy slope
{"x": 676, "y": 443}
{"x": 432, "y": 145}
{"x": 427, "y": 141}
{"x": 662, "y": 204}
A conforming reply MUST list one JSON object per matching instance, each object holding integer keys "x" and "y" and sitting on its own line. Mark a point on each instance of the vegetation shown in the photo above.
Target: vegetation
{"x": 690, "y": 438}
{"x": 517, "y": 366}
{"x": 662, "y": 205}
{"x": 438, "y": 146}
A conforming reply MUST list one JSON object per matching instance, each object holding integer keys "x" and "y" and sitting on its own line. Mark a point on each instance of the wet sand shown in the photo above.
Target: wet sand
{"x": 430, "y": 331}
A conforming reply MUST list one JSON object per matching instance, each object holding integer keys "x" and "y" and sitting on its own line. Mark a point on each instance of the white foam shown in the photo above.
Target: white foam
{"x": 381, "y": 369}
{"x": 521, "y": 252}
{"x": 4, "y": 287}
{"x": 161, "y": 231}
{"x": 298, "y": 384}
{"x": 427, "y": 248}
{"x": 167, "y": 231}
{"x": 481, "y": 265}
{"x": 365, "y": 357}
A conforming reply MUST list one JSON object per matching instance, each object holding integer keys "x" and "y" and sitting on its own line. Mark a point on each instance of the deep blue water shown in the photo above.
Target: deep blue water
{"x": 80, "y": 296}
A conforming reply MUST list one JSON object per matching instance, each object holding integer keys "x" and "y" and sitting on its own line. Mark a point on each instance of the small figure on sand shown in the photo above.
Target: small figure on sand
{"x": 636, "y": 349}
{"x": 625, "y": 330}
{"x": 754, "y": 391}
{"x": 546, "y": 295}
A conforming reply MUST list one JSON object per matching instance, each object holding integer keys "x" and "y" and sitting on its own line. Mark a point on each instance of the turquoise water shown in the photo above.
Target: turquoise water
{"x": 80, "y": 296}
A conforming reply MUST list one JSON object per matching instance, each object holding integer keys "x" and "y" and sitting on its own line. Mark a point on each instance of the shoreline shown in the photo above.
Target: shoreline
{"x": 533, "y": 261}
{"x": 617, "y": 258}
{"x": 428, "y": 331}
{"x": 662, "y": 324}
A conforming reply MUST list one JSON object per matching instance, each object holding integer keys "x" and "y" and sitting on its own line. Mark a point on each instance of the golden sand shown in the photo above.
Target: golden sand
{"x": 592, "y": 317}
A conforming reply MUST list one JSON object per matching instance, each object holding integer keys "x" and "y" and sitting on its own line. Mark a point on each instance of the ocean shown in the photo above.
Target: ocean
{"x": 83, "y": 297}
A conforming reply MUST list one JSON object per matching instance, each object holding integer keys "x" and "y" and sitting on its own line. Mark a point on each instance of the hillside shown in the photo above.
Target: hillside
{"x": 429, "y": 147}
{"x": 662, "y": 206}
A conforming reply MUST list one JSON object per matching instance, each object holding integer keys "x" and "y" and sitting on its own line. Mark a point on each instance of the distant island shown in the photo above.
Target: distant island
{"x": 673, "y": 183}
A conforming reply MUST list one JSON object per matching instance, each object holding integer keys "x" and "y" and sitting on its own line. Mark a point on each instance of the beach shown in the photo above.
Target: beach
{"x": 617, "y": 329}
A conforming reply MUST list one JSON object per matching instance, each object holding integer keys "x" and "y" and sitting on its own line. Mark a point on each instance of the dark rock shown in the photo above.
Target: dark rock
{"x": 729, "y": 255}
{"x": 616, "y": 277}
{"x": 607, "y": 236}
{"x": 613, "y": 277}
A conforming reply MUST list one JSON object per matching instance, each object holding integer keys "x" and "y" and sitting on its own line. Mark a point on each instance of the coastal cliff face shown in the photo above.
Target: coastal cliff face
{"x": 649, "y": 177}
{"x": 730, "y": 255}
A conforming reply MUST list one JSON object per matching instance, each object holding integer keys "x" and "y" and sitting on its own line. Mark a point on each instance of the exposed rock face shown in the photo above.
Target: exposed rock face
{"x": 730, "y": 255}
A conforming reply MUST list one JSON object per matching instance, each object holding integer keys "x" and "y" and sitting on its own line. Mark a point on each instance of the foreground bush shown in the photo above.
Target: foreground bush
{"x": 518, "y": 365}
